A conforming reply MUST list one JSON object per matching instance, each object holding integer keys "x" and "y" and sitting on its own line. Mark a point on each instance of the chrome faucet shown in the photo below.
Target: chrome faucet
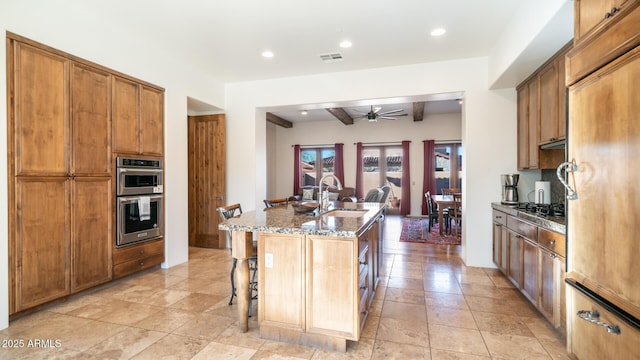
{"x": 323, "y": 195}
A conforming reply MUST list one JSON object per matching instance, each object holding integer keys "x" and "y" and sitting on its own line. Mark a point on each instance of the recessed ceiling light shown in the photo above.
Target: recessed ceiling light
{"x": 267, "y": 54}
{"x": 346, "y": 44}
{"x": 303, "y": 112}
{"x": 438, "y": 32}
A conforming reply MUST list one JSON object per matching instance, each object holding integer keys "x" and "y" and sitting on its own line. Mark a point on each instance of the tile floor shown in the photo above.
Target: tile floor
{"x": 429, "y": 305}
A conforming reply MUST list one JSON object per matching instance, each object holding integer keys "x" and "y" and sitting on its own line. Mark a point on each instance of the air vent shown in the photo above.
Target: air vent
{"x": 328, "y": 58}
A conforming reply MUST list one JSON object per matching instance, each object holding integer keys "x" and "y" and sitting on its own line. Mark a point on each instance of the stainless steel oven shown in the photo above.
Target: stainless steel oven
{"x": 139, "y": 176}
{"x": 140, "y": 218}
{"x": 140, "y": 200}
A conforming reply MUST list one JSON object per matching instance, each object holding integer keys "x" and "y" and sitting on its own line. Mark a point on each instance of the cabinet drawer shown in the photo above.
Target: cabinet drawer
{"x": 135, "y": 252}
{"x": 553, "y": 241}
{"x": 525, "y": 229}
{"x": 133, "y": 266}
{"x": 499, "y": 217}
{"x": 589, "y": 340}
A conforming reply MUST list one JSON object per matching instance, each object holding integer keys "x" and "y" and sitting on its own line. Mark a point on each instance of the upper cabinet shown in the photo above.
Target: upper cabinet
{"x": 607, "y": 30}
{"x": 542, "y": 114}
{"x": 590, "y": 14}
{"x": 138, "y": 116}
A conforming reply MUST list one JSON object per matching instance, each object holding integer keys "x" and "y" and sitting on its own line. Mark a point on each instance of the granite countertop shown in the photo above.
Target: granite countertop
{"x": 284, "y": 220}
{"x": 553, "y": 223}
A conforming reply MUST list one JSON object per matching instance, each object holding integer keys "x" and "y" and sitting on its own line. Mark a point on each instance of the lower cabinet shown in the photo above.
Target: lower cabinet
{"x": 535, "y": 264}
{"x": 134, "y": 258}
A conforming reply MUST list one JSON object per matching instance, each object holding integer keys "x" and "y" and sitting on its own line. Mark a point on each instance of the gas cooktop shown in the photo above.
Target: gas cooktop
{"x": 556, "y": 209}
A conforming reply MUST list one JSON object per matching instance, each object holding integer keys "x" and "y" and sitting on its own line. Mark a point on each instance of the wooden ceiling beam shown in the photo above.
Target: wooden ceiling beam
{"x": 277, "y": 120}
{"x": 418, "y": 110}
{"x": 341, "y": 115}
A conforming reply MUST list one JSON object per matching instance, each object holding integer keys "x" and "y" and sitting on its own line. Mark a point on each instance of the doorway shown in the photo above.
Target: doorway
{"x": 207, "y": 187}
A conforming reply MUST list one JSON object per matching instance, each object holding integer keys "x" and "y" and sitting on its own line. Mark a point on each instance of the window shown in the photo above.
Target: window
{"x": 448, "y": 167}
{"x": 383, "y": 165}
{"x": 311, "y": 170}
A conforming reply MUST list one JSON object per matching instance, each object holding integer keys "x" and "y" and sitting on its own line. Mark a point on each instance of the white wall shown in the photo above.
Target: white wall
{"x": 437, "y": 127}
{"x": 488, "y": 131}
{"x": 81, "y": 29}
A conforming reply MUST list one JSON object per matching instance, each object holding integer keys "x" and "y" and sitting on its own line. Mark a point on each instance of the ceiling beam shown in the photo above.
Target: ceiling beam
{"x": 418, "y": 110}
{"x": 341, "y": 115}
{"x": 277, "y": 120}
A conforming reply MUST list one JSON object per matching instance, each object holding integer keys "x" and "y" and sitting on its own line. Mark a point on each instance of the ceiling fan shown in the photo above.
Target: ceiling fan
{"x": 376, "y": 114}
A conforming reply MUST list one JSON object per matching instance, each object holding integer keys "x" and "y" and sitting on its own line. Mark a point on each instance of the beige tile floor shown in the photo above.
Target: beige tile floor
{"x": 429, "y": 305}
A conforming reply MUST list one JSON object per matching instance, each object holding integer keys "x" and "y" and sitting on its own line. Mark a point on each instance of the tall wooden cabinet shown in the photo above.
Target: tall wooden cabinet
{"x": 60, "y": 181}
{"x": 60, "y": 168}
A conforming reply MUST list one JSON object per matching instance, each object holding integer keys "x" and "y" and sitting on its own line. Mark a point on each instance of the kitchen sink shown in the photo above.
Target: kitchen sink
{"x": 346, "y": 213}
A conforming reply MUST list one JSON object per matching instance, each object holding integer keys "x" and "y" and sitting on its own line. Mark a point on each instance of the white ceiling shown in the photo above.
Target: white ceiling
{"x": 226, "y": 38}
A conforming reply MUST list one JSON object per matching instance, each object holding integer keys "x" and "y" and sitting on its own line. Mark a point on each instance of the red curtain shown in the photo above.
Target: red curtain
{"x": 405, "y": 201}
{"x": 338, "y": 169}
{"x": 359, "y": 172}
{"x": 429, "y": 172}
{"x": 296, "y": 169}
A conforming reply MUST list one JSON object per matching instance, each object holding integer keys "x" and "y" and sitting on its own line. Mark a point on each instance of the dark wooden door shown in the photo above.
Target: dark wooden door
{"x": 206, "y": 179}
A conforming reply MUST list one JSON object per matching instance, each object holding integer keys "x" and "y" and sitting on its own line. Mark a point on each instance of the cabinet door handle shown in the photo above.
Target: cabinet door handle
{"x": 552, "y": 242}
{"x": 569, "y": 167}
{"x": 593, "y": 316}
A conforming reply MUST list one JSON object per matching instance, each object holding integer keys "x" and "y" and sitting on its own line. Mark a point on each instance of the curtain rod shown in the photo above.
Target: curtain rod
{"x": 376, "y": 143}
{"x": 448, "y": 141}
{"x": 315, "y": 145}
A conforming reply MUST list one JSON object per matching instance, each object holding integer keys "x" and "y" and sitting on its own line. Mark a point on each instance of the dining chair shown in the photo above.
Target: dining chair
{"x": 373, "y": 195}
{"x": 269, "y": 203}
{"x": 456, "y": 212}
{"x": 226, "y": 213}
{"x": 433, "y": 213}
{"x": 451, "y": 191}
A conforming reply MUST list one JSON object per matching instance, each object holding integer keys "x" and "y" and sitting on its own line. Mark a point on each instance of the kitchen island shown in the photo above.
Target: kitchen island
{"x": 317, "y": 274}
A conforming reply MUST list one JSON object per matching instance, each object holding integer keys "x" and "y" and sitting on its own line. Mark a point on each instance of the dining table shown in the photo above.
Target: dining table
{"x": 444, "y": 202}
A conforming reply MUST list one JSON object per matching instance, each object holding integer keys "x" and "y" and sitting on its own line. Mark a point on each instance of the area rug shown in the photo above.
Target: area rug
{"x": 415, "y": 229}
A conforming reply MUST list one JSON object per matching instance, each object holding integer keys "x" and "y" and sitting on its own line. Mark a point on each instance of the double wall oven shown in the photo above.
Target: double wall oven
{"x": 140, "y": 200}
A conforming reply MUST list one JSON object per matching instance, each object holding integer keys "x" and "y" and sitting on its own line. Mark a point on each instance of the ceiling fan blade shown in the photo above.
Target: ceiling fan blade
{"x": 375, "y": 111}
{"x": 391, "y": 112}
{"x": 386, "y": 118}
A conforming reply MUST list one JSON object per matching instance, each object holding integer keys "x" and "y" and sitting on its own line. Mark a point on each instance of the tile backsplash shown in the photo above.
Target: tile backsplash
{"x": 557, "y": 190}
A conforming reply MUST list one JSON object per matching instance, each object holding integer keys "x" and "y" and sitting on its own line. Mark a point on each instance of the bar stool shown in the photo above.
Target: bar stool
{"x": 227, "y": 212}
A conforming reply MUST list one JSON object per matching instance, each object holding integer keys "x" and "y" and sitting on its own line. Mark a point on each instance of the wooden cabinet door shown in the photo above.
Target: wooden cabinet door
{"x": 282, "y": 302}
{"x": 548, "y": 79}
{"x": 547, "y": 284}
{"x": 91, "y": 120}
{"x": 92, "y": 239}
{"x": 534, "y": 119}
{"x": 151, "y": 121}
{"x": 562, "y": 96}
{"x": 42, "y": 239}
{"x": 125, "y": 112}
{"x": 497, "y": 245}
{"x": 588, "y": 14}
{"x": 504, "y": 252}
{"x": 604, "y": 130}
{"x": 41, "y": 112}
{"x": 332, "y": 287}
{"x": 515, "y": 259}
{"x": 523, "y": 127}
{"x": 530, "y": 285}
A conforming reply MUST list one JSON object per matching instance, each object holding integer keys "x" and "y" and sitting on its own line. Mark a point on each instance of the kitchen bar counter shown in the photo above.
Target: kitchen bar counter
{"x": 553, "y": 223}
{"x": 317, "y": 274}
{"x": 283, "y": 220}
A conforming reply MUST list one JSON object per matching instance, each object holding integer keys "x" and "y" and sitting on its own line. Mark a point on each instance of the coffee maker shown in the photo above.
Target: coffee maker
{"x": 510, "y": 189}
